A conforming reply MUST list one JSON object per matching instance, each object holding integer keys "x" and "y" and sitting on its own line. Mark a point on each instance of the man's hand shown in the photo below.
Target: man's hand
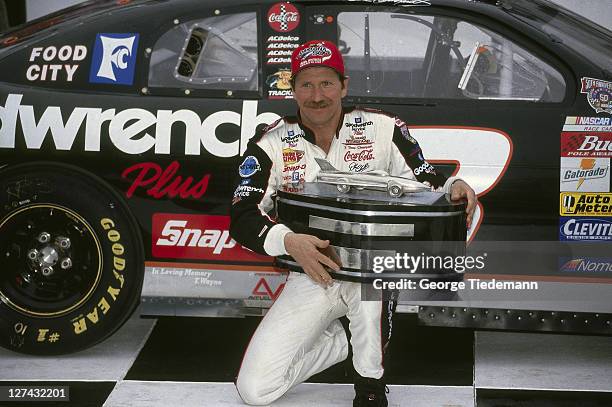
{"x": 461, "y": 190}
{"x": 307, "y": 251}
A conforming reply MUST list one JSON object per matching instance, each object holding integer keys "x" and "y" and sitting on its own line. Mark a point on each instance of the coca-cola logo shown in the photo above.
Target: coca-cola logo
{"x": 283, "y": 17}
{"x": 363, "y": 155}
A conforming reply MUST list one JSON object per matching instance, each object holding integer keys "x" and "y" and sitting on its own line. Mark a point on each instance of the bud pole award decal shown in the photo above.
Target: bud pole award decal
{"x": 283, "y": 17}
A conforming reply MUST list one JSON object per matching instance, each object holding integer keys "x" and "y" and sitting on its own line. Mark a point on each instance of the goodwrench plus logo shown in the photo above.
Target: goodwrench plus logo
{"x": 114, "y": 59}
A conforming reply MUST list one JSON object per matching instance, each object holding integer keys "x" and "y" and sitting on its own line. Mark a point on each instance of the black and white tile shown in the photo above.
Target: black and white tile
{"x": 192, "y": 362}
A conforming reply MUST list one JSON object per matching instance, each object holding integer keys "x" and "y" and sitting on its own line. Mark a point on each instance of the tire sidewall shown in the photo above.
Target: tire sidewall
{"x": 119, "y": 282}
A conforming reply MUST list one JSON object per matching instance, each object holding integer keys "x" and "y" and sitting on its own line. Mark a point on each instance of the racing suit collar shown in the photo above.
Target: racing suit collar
{"x": 309, "y": 134}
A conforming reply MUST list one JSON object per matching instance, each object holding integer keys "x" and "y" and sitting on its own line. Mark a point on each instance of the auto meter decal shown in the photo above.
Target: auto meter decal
{"x": 585, "y": 174}
{"x": 585, "y": 204}
{"x": 283, "y": 17}
{"x": 599, "y": 94}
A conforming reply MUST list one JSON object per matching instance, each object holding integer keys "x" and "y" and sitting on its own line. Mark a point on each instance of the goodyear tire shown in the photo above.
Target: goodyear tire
{"x": 71, "y": 259}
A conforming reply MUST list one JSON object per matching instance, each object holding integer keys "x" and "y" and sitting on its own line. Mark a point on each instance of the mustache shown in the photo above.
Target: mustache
{"x": 317, "y": 105}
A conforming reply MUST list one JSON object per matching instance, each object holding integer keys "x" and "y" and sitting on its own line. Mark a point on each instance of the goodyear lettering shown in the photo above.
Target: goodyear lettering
{"x": 119, "y": 263}
{"x": 103, "y": 305}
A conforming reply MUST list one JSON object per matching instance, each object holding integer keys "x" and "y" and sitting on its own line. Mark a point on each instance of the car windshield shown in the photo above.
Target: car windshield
{"x": 587, "y": 38}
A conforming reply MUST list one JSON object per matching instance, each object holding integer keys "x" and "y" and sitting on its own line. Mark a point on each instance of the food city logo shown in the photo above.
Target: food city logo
{"x": 586, "y": 144}
{"x": 114, "y": 59}
{"x": 204, "y": 237}
{"x": 586, "y": 204}
{"x": 585, "y": 229}
{"x": 53, "y": 63}
{"x": 592, "y": 174}
{"x": 283, "y": 17}
{"x": 588, "y": 264}
{"x": 161, "y": 183}
{"x": 599, "y": 94}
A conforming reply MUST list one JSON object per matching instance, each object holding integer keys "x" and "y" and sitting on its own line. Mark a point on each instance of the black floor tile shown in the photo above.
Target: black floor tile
{"x": 539, "y": 398}
{"x": 211, "y": 349}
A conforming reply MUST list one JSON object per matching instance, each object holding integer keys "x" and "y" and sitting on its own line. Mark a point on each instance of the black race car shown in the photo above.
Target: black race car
{"x": 123, "y": 123}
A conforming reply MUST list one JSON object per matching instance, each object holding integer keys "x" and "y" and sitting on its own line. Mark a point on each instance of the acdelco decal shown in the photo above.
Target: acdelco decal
{"x": 205, "y": 237}
{"x": 112, "y": 291}
{"x": 585, "y": 204}
{"x": 129, "y": 130}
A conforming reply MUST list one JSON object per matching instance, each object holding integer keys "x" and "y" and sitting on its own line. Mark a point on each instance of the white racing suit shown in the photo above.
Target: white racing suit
{"x": 301, "y": 335}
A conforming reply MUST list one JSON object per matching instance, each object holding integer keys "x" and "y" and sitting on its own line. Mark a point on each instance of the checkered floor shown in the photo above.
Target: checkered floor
{"x": 192, "y": 361}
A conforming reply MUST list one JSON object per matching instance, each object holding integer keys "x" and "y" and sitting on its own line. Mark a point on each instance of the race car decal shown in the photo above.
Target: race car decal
{"x": 206, "y": 237}
{"x": 599, "y": 94}
{"x": 114, "y": 59}
{"x": 482, "y": 157}
{"x": 283, "y": 17}
{"x": 585, "y": 174}
{"x": 585, "y": 204}
{"x": 55, "y": 63}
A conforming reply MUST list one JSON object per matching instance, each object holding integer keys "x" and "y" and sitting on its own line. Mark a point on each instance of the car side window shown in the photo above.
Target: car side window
{"x": 212, "y": 53}
{"x": 423, "y": 56}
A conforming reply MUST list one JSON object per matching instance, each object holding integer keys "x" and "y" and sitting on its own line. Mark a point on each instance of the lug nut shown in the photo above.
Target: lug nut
{"x": 33, "y": 254}
{"x": 66, "y": 263}
{"x": 44, "y": 237}
{"x": 63, "y": 242}
{"x": 47, "y": 271}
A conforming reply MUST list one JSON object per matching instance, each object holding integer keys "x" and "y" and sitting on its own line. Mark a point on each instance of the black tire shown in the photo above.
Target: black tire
{"x": 72, "y": 259}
